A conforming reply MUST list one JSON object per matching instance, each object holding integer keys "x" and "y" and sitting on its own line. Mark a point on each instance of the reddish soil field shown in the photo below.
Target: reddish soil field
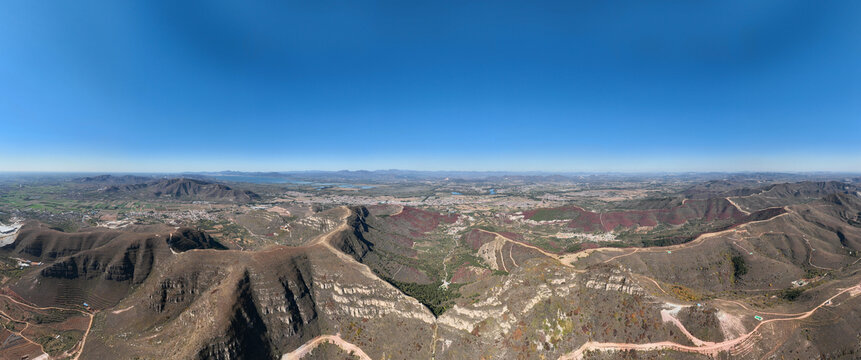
{"x": 421, "y": 220}
{"x": 475, "y": 238}
{"x": 465, "y": 274}
{"x": 402, "y": 240}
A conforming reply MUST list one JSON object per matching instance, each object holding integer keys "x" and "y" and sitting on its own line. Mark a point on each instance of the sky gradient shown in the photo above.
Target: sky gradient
{"x": 554, "y": 86}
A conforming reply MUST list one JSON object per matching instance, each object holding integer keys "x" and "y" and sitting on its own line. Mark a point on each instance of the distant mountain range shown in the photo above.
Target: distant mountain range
{"x": 395, "y": 175}
{"x": 113, "y": 179}
{"x": 177, "y": 188}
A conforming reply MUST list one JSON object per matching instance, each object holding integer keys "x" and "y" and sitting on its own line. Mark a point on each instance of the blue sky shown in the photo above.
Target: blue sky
{"x": 476, "y": 85}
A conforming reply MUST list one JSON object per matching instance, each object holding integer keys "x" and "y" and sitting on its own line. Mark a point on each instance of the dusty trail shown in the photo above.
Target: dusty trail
{"x": 570, "y": 257}
{"x": 659, "y": 249}
{"x": 40, "y": 308}
{"x": 741, "y": 247}
{"x": 325, "y": 241}
{"x": 622, "y": 255}
{"x": 561, "y": 258}
{"x": 511, "y": 256}
{"x": 336, "y": 339}
{"x": 501, "y": 257}
{"x": 399, "y": 211}
{"x": 736, "y": 206}
{"x": 810, "y": 252}
{"x": 567, "y": 258}
{"x": 707, "y": 349}
{"x": 743, "y": 306}
{"x": 122, "y": 310}
{"x": 601, "y": 218}
{"x": 84, "y": 339}
{"x": 703, "y": 347}
{"x": 399, "y": 270}
{"x": 549, "y": 254}
{"x": 654, "y": 282}
{"x": 666, "y": 316}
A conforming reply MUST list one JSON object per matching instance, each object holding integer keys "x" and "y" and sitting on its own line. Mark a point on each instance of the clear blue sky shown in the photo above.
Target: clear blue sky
{"x": 462, "y": 85}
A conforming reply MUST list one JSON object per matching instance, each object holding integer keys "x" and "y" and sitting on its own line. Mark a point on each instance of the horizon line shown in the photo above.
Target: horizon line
{"x": 549, "y": 172}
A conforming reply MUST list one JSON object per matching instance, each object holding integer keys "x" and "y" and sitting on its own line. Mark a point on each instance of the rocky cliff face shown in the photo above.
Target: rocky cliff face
{"x": 546, "y": 309}
{"x": 188, "y": 239}
{"x": 353, "y": 241}
{"x": 245, "y": 334}
{"x": 96, "y": 266}
{"x": 261, "y": 305}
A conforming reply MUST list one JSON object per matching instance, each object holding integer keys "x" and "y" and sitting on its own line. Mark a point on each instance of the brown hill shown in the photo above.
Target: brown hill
{"x": 721, "y": 188}
{"x": 261, "y": 305}
{"x": 709, "y": 210}
{"x": 184, "y": 189}
{"x": 113, "y": 179}
{"x": 774, "y": 195}
{"x": 808, "y": 189}
{"x": 96, "y": 266}
{"x": 809, "y": 239}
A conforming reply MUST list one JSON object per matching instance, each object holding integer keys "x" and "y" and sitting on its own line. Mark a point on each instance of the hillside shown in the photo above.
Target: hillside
{"x": 96, "y": 266}
{"x": 113, "y": 179}
{"x": 182, "y": 189}
{"x": 667, "y": 225}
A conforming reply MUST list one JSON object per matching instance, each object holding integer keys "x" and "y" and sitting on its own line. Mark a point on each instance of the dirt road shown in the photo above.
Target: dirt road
{"x": 336, "y": 339}
{"x": 711, "y": 349}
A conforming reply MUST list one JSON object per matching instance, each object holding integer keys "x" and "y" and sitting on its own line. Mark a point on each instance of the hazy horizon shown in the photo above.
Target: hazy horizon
{"x": 500, "y": 172}
{"x": 766, "y": 167}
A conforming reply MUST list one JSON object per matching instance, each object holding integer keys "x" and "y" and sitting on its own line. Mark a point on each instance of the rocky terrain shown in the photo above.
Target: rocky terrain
{"x": 779, "y": 278}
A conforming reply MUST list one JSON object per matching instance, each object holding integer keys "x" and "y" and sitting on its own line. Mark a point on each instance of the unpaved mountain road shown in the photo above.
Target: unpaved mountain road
{"x": 336, "y": 339}
{"x": 711, "y": 349}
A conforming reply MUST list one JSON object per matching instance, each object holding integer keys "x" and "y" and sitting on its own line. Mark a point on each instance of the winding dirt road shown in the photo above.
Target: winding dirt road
{"x": 84, "y": 339}
{"x": 700, "y": 346}
{"x": 336, "y": 339}
{"x": 696, "y": 241}
{"x": 737, "y": 207}
{"x": 810, "y": 252}
{"x": 710, "y": 349}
